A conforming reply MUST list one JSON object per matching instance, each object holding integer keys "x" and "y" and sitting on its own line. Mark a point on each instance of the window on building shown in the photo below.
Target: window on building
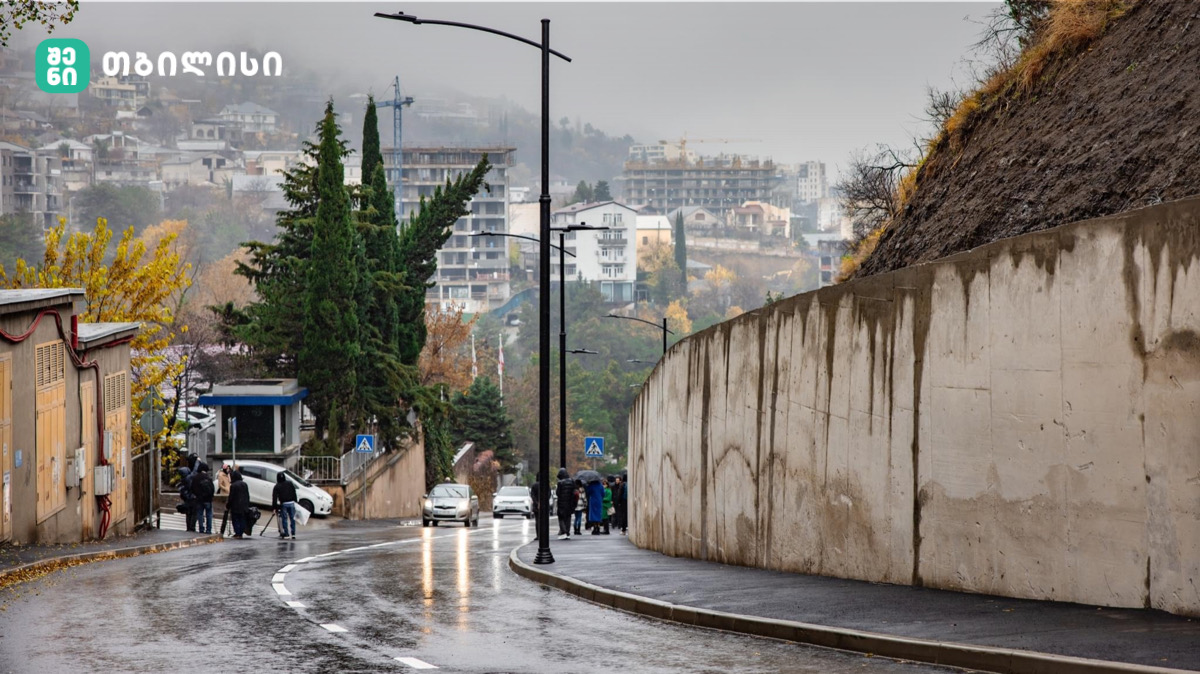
{"x": 50, "y": 422}
{"x": 645, "y": 240}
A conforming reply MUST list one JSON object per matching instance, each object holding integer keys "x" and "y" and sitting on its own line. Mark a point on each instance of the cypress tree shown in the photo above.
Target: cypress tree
{"x": 331, "y": 318}
{"x": 681, "y": 252}
{"x": 371, "y": 153}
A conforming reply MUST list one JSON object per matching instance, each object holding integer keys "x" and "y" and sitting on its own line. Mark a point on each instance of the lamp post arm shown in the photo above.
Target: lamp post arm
{"x": 641, "y": 320}
{"x": 401, "y": 16}
{"x": 517, "y": 236}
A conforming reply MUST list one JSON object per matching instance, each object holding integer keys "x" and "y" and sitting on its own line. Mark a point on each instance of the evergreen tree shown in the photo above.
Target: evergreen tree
{"x": 273, "y": 326}
{"x": 681, "y": 252}
{"x": 583, "y": 193}
{"x": 601, "y": 192}
{"x": 332, "y": 346}
{"x": 371, "y": 153}
{"x": 481, "y": 418}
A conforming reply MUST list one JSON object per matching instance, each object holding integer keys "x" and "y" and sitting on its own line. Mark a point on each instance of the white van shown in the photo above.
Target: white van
{"x": 261, "y": 477}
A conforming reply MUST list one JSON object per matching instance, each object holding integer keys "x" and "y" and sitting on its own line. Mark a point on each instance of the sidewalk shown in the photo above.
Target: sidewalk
{"x": 965, "y": 630}
{"x": 19, "y": 562}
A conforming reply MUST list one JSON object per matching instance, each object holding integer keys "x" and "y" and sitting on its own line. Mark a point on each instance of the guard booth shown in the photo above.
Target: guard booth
{"x": 267, "y": 413}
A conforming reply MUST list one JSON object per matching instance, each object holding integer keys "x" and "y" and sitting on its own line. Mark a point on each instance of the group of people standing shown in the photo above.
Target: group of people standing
{"x": 197, "y": 491}
{"x": 604, "y": 502}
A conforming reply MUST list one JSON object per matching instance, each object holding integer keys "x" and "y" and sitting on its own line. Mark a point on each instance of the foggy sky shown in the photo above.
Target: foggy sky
{"x": 810, "y": 80}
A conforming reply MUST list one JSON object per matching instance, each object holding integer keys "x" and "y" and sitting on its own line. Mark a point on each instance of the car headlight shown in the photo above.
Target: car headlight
{"x": 428, "y": 503}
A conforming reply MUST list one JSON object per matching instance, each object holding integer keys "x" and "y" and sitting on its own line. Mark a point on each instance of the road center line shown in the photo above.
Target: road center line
{"x": 333, "y": 628}
{"x": 296, "y": 604}
{"x": 415, "y": 663}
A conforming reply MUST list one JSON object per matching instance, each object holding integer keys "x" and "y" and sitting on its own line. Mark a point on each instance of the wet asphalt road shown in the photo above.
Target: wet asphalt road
{"x": 442, "y": 596}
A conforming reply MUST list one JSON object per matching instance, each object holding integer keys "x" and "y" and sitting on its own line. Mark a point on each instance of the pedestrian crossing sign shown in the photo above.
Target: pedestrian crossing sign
{"x": 593, "y": 447}
{"x": 364, "y": 444}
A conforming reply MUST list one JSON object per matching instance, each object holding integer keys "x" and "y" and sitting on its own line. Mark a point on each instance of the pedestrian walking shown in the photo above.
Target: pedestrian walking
{"x": 535, "y": 492}
{"x": 203, "y": 490}
{"x": 239, "y": 503}
{"x": 580, "y": 504}
{"x": 621, "y": 504}
{"x": 608, "y": 508}
{"x": 565, "y": 491}
{"x": 595, "y": 501}
{"x": 283, "y": 501}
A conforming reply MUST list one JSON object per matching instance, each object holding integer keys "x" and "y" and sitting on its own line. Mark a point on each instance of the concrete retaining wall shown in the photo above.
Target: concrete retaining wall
{"x": 1019, "y": 420}
{"x": 390, "y": 487}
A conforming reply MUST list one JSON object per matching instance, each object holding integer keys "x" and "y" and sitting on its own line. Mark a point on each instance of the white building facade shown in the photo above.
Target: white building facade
{"x": 811, "y": 184}
{"x": 609, "y": 257}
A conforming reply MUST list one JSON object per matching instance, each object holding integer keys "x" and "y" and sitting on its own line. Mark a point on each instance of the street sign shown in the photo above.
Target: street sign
{"x": 593, "y": 447}
{"x": 152, "y": 422}
{"x": 364, "y": 444}
{"x": 152, "y": 401}
{"x": 232, "y": 428}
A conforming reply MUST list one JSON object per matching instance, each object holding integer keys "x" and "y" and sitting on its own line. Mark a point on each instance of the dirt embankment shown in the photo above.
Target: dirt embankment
{"x": 1107, "y": 130}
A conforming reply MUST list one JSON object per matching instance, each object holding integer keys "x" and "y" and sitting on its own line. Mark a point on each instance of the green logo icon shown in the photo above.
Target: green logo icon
{"x": 64, "y": 65}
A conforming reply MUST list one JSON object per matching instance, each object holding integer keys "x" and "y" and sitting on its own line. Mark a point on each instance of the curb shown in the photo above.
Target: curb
{"x": 51, "y": 563}
{"x": 966, "y": 656}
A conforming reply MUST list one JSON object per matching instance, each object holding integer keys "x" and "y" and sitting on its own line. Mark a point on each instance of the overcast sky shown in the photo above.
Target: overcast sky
{"x": 808, "y": 80}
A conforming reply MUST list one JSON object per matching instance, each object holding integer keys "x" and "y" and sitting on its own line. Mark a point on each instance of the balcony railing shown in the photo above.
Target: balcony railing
{"x": 613, "y": 241}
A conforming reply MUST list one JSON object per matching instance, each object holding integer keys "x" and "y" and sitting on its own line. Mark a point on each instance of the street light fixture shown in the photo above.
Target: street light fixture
{"x": 543, "y": 524}
{"x": 665, "y": 331}
{"x": 562, "y": 333}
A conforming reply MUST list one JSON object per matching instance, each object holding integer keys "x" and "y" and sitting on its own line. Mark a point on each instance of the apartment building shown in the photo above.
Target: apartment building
{"x": 473, "y": 271}
{"x": 608, "y": 257}
{"x": 29, "y": 183}
{"x": 811, "y": 184}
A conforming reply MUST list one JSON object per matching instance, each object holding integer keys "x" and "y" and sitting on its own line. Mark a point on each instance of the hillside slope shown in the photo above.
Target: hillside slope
{"x": 1112, "y": 128}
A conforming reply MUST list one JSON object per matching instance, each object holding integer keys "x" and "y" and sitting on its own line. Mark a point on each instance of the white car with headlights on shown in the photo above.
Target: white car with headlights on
{"x": 512, "y": 501}
{"x": 450, "y": 503}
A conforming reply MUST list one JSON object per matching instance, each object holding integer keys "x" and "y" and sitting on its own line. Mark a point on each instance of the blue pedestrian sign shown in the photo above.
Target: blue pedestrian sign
{"x": 364, "y": 444}
{"x": 593, "y": 447}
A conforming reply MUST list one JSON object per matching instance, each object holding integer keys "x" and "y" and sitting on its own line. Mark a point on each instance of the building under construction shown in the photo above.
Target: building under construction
{"x": 715, "y": 183}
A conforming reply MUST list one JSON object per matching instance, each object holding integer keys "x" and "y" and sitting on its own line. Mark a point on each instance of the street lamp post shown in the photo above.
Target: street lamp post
{"x": 543, "y": 524}
{"x": 665, "y": 331}
{"x": 562, "y": 334}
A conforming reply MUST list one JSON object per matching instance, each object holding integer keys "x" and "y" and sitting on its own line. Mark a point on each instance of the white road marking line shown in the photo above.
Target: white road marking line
{"x": 278, "y": 578}
{"x": 334, "y": 628}
{"x": 415, "y": 663}
{"x": 301, "y": 561}
{"x": 330, "y": 554}
{"x": 287, "y": 568}
{"x": 281, "y": 590}
{"x": 296, "y": 604}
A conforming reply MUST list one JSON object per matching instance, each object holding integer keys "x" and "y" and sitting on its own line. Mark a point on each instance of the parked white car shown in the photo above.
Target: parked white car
{"x": 261, "y": 477}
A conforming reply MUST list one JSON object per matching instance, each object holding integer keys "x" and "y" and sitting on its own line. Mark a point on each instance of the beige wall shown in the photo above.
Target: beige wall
{"x": 1019, "y": 420}
{"x": 392, "y": 487}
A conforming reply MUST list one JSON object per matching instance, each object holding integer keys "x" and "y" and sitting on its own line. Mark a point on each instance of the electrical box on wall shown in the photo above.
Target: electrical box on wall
{"x": 108, "y": 443}
{"x": 103, "y": 476}
{"x": 76, "y": 467}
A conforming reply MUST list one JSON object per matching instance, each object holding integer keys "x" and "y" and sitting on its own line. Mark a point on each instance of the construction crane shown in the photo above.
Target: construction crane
{"x": 683, "y": 141}
{"x": 397, "y": 104}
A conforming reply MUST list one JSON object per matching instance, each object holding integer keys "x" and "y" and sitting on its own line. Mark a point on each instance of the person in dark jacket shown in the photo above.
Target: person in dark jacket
{"x": 283, "y": 501}
{"x": 238, "y": 503}
{"x": 535, "y": 492}
{"x": 621, "y": 504}
{"x": 565, "y": 491}
{"x": 188, "y": 507}
{"x": 202, "y": 491}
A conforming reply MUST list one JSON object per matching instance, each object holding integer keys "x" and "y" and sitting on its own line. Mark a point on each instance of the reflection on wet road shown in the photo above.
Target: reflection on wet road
{"x": 359, "y": 597}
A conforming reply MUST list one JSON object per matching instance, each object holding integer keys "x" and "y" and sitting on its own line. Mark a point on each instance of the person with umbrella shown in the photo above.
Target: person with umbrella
{"x": 566, "y": 503}
{"x": 595, "y": 498}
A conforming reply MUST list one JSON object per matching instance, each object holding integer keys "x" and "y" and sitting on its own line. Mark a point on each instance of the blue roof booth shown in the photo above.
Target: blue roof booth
{"x": 267, "y": 413}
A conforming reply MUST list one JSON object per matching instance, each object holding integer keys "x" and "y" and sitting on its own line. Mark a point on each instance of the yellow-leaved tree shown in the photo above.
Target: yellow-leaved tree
{"x": 137, "y": 285}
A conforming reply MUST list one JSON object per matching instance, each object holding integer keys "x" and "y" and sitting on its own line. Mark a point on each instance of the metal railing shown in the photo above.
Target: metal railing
{"x": 352, "y": 462}
{"x": 319, "y": 469}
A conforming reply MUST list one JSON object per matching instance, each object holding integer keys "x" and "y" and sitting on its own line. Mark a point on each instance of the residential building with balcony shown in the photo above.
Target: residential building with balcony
{"x": 29, "y": 184}
{"x": 249, "y": 118}
{"x": 125, "y": 92}
{"x": 473, "y": 271}
{"x": 607, "y": 257}
{"x": 811, "y": 183}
